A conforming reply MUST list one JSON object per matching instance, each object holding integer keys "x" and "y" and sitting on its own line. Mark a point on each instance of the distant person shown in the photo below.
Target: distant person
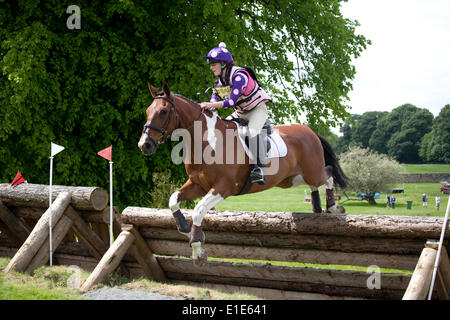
{"x": 388, "y": 201}
{"x": 438, "y": 202}
{"x": 393, "y": 202}
{"x": 424, "y": 201}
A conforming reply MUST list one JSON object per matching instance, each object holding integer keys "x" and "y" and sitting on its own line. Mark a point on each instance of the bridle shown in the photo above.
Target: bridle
{"x": 165, "y": 127}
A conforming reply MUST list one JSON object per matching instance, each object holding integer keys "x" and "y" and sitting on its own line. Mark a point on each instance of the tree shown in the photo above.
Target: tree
{"x": 398, "y": 134}
{"x": 86, "y": 88}
{"x": 369, "y": 171}
{"x": 435, "y": 146}
{"x": 404, "y": 144}
{"x": 358, "y": 129}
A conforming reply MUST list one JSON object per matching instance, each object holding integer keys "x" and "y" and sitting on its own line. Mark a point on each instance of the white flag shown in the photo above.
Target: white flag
{"x": 56, "y": 149}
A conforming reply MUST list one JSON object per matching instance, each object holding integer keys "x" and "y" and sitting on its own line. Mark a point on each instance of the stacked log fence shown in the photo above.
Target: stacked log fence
{"x": 269, "y": 254}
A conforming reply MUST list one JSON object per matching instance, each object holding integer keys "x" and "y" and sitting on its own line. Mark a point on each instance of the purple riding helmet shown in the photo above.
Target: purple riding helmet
{"x": 219, "y": 54}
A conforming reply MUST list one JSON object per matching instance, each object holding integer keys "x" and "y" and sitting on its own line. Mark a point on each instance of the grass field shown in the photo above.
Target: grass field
{"x": 426, "y": 168}
{"x": 293, "y": 200}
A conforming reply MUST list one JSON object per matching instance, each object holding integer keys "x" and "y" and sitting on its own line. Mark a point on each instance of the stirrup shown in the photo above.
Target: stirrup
{"x": 257, "y": 176}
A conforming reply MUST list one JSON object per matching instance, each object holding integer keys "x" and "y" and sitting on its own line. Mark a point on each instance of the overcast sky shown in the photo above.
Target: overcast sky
{"x": 409, "y": 59}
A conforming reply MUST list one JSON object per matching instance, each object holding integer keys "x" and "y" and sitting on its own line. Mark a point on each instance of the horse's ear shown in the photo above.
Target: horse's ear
{"x": 152, "y": 89}
{"x": 166, "y": 89}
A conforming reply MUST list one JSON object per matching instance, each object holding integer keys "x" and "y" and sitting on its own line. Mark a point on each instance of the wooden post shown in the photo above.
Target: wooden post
{"x": 421, "y": 279}
{"x": 145, "y": 257}
{"x": 39, "y": 234}
{"x": 110, "y": 260}
{"x": 13, "y": 223}
{"x": 442, "y": 281}
{"x": 59, "y": 232}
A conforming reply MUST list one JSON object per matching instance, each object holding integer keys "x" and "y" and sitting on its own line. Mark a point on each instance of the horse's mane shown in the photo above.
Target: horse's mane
{"x": 187, "y": 99}
{"x": 198, "y": 105}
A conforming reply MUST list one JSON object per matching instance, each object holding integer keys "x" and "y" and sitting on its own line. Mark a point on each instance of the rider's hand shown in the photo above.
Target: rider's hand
{"x": 204, "y": 105}
{"x": 207, "y": 106}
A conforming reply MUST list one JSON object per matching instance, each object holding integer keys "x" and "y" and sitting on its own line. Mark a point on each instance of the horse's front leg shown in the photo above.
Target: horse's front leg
{"x": 189, "y": 191}
{"x": 197, "y": 235}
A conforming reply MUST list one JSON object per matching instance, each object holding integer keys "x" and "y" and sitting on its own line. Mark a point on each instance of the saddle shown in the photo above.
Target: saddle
{"x": 276, "y": 147}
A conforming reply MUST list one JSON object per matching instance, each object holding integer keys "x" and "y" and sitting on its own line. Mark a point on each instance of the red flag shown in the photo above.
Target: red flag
{"x": 106, "y": 153}
{"x": 18, "y": 179}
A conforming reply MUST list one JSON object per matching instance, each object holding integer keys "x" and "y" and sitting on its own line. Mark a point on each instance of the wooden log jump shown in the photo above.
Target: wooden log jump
{"x": 34, "y": 246}
{"x": 150, "y": 246}
{"x": 328, "y": 239}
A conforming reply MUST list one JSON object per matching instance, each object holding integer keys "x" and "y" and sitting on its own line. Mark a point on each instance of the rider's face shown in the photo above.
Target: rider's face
{"x": 215, "y": 68}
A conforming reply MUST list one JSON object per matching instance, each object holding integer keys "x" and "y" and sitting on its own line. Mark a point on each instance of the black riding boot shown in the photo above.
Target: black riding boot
{"x": 257, "y": 173}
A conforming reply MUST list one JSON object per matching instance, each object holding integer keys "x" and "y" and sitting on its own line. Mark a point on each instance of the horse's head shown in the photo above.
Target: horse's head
{"x": 161, "y": 120}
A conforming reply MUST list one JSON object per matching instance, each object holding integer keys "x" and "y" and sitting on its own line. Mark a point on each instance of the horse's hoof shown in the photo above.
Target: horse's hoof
{"x": 336, "y": 209}
{"x": 199, "y": 255}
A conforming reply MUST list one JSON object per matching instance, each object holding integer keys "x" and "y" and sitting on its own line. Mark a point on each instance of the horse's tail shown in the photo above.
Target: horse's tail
{"x": 339, "y": 176}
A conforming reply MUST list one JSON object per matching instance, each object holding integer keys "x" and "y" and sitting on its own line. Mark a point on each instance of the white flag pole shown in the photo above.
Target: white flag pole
{"x": 438, "y": 255}
{"x": 50, "y": 205}
{"x": 54, "y": 150}
{"x": 111, "y": 203}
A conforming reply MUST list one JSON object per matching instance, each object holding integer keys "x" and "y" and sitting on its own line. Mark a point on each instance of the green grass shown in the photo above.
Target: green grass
{"x": 426, "y": 168}
{"x": 312, "y": 265}
{"x": 47, "y": 283}
{"x": 293, "y": 200}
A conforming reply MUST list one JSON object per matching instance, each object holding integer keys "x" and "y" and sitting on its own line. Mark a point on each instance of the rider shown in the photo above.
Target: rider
{"x": 237, "y": 87}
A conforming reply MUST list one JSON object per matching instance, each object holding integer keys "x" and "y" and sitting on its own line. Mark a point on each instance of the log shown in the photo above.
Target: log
{"x": 40, "y": 232}
{"x": 10, "y": 235}
{"x": 444, "y": 262}
{"x": 299, "y": 241}
{"x": 281, "y": 273}
{"x": 13, "y": 223}
{"x": 58, "y": 234}
{"x": 110, "y": 260}
{"x": 145, "y": 257}
{"x": 301, "y": 287}
{"x": 86, "y": 235}
{"x": 37, "y": 195}
{"x": 296, "y": 223}
{"x": 393, "y": 261}
{"x": 88, "y": 216}
{"x": 421, "y": 279}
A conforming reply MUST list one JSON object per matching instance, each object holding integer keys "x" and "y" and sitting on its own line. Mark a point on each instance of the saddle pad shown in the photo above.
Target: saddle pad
{"x": 278, "y": 147}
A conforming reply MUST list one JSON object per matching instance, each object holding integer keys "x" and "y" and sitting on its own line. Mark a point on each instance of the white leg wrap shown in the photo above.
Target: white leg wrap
{"x": 174, "y": 204}
{"x": 330, "y": 183}
{"x": 208, "y": 202}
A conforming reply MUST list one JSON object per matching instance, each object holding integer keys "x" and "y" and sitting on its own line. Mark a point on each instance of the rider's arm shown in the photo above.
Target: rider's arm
{"x": 240, "y": 80}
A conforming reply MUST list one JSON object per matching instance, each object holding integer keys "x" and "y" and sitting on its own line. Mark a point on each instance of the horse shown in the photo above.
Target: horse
{"x": 309, "y": 160}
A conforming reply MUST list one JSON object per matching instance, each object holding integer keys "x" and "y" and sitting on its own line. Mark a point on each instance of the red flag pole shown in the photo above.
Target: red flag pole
{"x": 107, "y": 154}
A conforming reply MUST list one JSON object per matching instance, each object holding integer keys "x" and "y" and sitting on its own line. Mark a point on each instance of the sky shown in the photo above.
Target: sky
{"x": 409, "y": 59}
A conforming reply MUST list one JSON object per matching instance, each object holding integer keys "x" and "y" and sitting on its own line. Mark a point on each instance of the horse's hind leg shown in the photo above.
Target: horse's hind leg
{"x": 315, "y": 200}
{"x": 332, "y": 207}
